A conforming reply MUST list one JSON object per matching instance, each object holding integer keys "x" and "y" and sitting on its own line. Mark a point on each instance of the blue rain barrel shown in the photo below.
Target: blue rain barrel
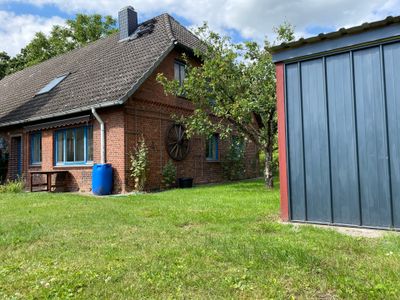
{"x": 102, "y": 179}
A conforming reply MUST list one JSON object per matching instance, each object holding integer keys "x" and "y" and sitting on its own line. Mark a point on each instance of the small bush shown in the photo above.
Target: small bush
{"x": 139, "y": 165}
{"x": 13, "y": 186}
{"x": 169, "y": 174}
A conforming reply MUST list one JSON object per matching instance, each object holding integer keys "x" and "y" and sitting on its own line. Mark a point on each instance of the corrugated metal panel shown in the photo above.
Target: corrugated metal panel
{"x": 345, "y": 196}
{"x": 344, "y": 137}
{"x": 295, "y": 139}
{"x": 316, "y": 149}
{"x": 392, "y": 78}
{"x": 372, "y": 142}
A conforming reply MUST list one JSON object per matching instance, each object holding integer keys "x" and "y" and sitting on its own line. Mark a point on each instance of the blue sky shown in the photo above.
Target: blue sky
{"x": 242, "y": 19}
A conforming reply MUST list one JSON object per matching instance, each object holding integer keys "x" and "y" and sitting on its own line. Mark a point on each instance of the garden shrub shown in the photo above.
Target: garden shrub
{"x": 13, "y": 186}
{"x": 139, "y": 165}
{"x": 169, "y": 174}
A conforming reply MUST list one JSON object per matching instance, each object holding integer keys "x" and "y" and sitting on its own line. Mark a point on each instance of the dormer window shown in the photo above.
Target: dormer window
{"x": 52, "y": 84}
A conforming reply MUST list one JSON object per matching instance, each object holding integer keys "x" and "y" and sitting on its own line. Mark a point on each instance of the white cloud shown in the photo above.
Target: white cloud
{"x": 17, "y": 30}
{"x": 251, "y": 18}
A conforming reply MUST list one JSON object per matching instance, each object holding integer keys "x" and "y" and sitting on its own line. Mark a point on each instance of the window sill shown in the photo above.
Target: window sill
{"x": 35, "y": 166}
{"x": 73, "y": 166}
{"x": 213, "y": 160}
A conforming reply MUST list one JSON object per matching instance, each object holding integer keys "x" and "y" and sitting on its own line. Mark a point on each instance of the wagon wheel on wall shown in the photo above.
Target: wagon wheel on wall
{"x": 177, "y": 142}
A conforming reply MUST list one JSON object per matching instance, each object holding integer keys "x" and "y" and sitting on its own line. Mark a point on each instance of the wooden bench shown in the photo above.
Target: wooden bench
{"x": 48, "y": 183}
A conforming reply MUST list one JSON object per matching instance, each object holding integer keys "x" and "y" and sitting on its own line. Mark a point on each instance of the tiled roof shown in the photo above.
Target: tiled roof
{"x": 336, "y": 34}
{"x": 185, "y": 36}
{"x": 104, "y": 73}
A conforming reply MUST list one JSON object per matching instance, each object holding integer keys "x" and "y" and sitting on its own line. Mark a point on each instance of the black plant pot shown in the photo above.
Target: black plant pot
{"x": 185, "y": 182}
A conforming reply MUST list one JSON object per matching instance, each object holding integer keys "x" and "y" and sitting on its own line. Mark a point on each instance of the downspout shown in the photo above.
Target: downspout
{"x": 102, "y": 136}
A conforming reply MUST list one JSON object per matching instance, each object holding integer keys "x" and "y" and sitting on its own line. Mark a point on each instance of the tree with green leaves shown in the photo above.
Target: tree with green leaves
{"x": 233, "y": 91}
{"x": 77, "y": 32}
{"x": 4, "y": 61}
{"x": 85, "y": 29}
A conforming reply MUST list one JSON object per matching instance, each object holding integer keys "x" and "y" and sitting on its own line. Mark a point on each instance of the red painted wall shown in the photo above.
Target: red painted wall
{"x": 280, "y": 91}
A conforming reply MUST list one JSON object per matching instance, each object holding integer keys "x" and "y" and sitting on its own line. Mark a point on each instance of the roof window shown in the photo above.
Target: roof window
{"x": 52, "y": 84}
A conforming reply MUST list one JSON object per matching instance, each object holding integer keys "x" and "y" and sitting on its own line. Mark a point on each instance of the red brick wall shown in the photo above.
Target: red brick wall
{"x": 80, "y": 177}
{"x": 13, "y": 167}
{"x": 148, "y": 114}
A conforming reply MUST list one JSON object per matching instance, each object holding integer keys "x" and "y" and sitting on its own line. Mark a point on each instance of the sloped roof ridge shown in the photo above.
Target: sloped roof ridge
{"x": 167, "y": 20}
{"x": 184, "y": 28}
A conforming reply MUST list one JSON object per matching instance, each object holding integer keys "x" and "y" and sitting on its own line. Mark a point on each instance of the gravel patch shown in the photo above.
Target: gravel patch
{"x": 351, "y": 231}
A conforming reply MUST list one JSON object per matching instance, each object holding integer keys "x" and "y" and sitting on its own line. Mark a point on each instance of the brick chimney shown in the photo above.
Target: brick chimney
{"x": 128, "y": 22}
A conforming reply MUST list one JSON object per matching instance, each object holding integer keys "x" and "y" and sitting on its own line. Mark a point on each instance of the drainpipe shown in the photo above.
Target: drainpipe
{"x": 102, "y": 136}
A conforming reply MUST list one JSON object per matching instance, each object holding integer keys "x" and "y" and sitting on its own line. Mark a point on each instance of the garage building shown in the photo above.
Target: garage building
{"x": 339, "y": 126}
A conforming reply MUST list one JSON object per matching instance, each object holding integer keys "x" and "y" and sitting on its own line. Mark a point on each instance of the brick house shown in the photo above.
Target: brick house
{"x": 51, "y": 113}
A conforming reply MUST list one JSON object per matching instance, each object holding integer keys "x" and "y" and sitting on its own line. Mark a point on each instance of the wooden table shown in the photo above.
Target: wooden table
{"x": 48, "y": 183}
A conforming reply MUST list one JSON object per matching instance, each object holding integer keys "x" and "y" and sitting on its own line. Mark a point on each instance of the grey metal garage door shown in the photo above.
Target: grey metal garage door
{"x": 343, "y": 120}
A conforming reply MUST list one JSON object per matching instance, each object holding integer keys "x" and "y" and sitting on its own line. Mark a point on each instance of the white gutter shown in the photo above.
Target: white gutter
{"x": 102, "y": 136}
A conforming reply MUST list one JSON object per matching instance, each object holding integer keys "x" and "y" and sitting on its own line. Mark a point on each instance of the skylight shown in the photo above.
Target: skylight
{"x": 52, "y": 84}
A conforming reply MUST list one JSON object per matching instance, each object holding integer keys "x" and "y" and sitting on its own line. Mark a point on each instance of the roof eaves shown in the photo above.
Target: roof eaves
{"x": 335, "y": 34}
{"x": 60, "y": 114}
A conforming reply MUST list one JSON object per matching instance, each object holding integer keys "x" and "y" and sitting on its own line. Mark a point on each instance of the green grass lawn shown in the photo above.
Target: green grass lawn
{"x": 221, "y": 241}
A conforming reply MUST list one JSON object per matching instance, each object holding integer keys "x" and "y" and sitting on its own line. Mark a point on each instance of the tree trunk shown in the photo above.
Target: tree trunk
{"x": 268, "y": 169}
